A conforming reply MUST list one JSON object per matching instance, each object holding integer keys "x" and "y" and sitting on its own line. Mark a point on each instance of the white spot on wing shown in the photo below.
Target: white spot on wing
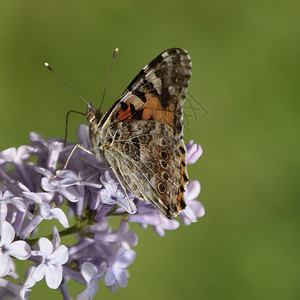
{"x": 165, "y": 54}
{"x": 171, "y": 89}
{"x": 156, "y": 81}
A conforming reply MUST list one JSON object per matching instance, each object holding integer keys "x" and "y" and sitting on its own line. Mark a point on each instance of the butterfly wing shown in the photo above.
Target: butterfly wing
{"x": 142, "y": 132}
{"x": 157, "y": 92}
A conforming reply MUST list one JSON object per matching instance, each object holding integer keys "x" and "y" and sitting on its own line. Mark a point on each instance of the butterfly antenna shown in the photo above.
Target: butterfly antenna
{"x": 109, "y": 74}
{"x": 65, "y": 84}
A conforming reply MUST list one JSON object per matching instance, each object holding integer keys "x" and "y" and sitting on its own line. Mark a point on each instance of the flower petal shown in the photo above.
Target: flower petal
{"x": 121, "y": 276}
{"x": 29, "y": 282}
{"x": 193, "y": 190}
{"x": 9, "y": 154}
{"x": 60, "y": 256}
{"x": 124, "y": 259}
{"x": 53, "y": 274}
{"x": 89, "y": 272}
{"x": 130, "y": 238}
{"x": 109, "y": 278}
{"x": 19, "y": 204}
{"x": 83, "y": 135}
{"x": 194, "y": 151}
{"x": 39, "y": 272}
{"x": 189, "y": 215}
{"x": 88, "y": 293}
{"x": 33, "y": 196}
{"x": 56, "y": 238}
{"x": 60, "y": 216}
{"x": 19, "y": 249}
{"x": 7, "y": 235}
{"x": 194, "y": 210}
{"x": 5, "y": 263}
{"x": 46, "y": 247}
{"x": 70, "y": 193}
{"x": 197, "y": 208}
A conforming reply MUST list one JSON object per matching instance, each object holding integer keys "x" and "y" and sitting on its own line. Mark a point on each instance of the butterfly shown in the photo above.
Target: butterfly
{"x": 141, "y": 135}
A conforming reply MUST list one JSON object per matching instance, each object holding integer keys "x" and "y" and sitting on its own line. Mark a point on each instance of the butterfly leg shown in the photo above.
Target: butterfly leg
{"x": 69, "y": 157}
{"x": 124, "y": 188}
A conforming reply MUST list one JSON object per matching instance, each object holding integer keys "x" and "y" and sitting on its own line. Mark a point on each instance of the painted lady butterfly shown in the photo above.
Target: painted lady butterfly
{"x": 141, "y": 135}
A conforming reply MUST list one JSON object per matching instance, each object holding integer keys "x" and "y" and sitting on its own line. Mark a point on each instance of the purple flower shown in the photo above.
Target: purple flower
{"x": 114, "y": 194}
{"x": 194, "y": 151}
{"x": 46, "y": 211}
{"x": 83, "y": 136}
{"x": 117, "y": 275}
{"x": 49, "y": 150}
{"x": 14, "y": 291}
{"x": 55, "y": 185}
{"x": 50, "y": 267}
{"x": 18, "y": 249}
{"x": 152, "y": 217}
{"x": 28, "y": 284}
{"x": 92, "y": 276}
{"x": 121, "y": 237}
{"x": 194, "y": 208}
{"x": 7, "y": 197}
{"x": 17, "y": 157}
{"x": 88, "y": 194}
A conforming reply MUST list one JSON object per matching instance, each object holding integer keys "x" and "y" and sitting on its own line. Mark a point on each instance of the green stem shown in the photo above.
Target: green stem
{"x": 81, "y": 224}
{"x": 65, "y": 232}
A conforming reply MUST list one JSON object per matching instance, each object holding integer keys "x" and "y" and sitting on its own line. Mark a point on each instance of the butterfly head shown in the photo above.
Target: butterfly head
{"x": 93, "y": 116}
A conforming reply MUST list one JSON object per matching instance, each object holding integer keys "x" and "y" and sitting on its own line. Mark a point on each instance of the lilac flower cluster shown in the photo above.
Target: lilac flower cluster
{"x": 85, "y": 195}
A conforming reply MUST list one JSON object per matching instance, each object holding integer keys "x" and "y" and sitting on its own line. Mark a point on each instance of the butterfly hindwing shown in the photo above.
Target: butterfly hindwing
{"x": 144, "y": 157}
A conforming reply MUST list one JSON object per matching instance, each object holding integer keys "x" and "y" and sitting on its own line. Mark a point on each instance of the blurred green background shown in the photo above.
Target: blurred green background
{"x": 245, "y": 58}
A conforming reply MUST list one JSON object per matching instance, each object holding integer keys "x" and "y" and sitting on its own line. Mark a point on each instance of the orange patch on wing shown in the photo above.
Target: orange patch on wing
{"x": 122, "y": 114}
{"x": 153, "y": 110}
{"x": 150, "y": 110}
